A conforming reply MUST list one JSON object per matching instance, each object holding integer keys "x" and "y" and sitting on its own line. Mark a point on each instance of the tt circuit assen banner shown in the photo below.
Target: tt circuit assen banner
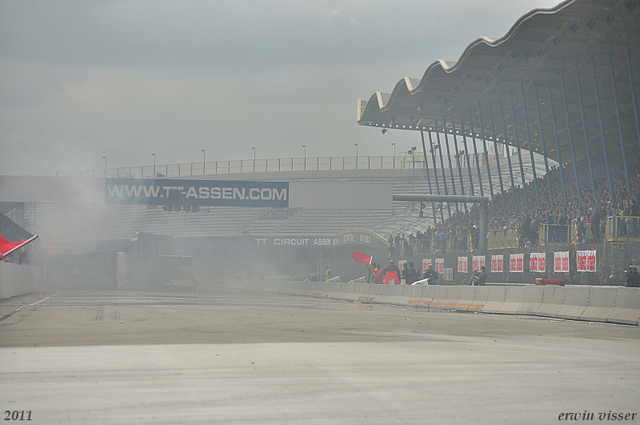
{"x": 197, "y": 192}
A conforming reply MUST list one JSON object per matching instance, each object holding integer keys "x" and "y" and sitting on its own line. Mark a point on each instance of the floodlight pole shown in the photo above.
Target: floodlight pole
{"x": 483, "y": 202}
{"x": 304, "y": 146}
{"x": 356, "y": 145}
{"x": 253, "y": 148}
{"x": 394, "y": 155}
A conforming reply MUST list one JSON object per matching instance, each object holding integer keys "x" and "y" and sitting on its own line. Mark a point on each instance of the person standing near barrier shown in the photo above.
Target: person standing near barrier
{"x": 413, "y": 274}
{"x": 474, "y": 277}
{"x": 327, "y": 273}
{"x": 378, "y": 278}
{"x": 633, "y": 277}
{"x": 406, "y": 274}
{"x": 478, "y": 279}
{"x": 482, "y": 277}
{"x": 372, "y": 273}
{"x": 391, "y": 273}
{"x": 431, "y": 275}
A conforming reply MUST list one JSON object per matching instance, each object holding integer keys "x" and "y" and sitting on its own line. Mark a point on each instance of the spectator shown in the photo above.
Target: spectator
{"x": 482, "y": 277}
{"x": 474, "y": 277}
{"x": 391, "y": 273}
{"x": 431, "y": 275}
{"x": 633, "y": 277}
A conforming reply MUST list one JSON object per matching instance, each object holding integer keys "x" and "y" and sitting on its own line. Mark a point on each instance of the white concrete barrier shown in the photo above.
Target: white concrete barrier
{"x": 335, "y": 289}
{"x": 531, "y": 300}
{"x": 406, "y": 294}
{"x": 379, "y": 294}
{"x": 575, "y": 303}
{"x": 465, "y": 298}
{"x": 553, "y": 298}
{"x": 439, "y": 297}
{"x": 602, "y": 301}
{"x": 366, "y": 293}
{"x": 627, "y": 308}
{"x": 480, "y": 298}
{"x": 388, "y": 293}
{"x": 353, "y": 291}
{"x": 416, "y": 295}
{"x": 512, "y": 299}
{"x": 428, "y": 294}
{"x": 453, "y": 297}
{"x": 308, "y": 288}
{"x": 17, "y": 280}
{"x": 397, "y": 295}
{"x": 495, "y": 299}
{"x": 612, "y": 304}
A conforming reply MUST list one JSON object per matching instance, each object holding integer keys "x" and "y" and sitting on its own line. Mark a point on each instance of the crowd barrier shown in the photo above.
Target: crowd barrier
{"x": 589, "y": 303}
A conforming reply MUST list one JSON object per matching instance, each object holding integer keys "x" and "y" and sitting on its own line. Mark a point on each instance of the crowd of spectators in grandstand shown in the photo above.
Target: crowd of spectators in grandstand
{"x": 588, "y": 213}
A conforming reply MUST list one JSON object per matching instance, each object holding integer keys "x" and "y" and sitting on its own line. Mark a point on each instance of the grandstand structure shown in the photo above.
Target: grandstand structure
{"x": 562, "y": 82}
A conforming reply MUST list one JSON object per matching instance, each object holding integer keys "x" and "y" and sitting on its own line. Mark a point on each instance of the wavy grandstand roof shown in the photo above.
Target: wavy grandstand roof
{"x": 549, "y": 53}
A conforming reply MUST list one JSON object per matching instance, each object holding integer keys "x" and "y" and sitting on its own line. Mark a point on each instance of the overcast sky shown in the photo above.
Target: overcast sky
{"x": 82, "y": 79}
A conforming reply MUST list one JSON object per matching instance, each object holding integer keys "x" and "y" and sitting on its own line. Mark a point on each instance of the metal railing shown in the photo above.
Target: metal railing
{"x": 459, "y": 243}
{"x": 401, "y": 162}
{"x": 421, "y": 246}
{"x": 501, "y": 239}
{"x": 554, "y": 234}
{"x": 622, "y": 229}
{"x": 585, "y": 235}
{"x": 618, "y": 229}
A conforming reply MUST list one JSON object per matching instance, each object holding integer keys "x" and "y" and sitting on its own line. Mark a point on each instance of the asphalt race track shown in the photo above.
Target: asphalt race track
{"x": 227, "y": 356}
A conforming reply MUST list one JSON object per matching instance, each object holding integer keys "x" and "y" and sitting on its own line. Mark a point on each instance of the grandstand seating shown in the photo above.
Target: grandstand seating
{"x": 64, "y": 223}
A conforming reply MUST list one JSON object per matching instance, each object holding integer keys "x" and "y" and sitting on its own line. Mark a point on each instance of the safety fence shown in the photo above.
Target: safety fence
{"x": 620, "y": 229}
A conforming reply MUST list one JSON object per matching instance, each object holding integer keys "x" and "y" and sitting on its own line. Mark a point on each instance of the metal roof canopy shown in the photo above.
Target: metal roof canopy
{"x": 574, "y": 44}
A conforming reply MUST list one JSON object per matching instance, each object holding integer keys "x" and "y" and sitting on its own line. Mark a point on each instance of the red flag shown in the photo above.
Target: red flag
{"x": 361, "y": 257}
{"x": 7, "y": 247}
